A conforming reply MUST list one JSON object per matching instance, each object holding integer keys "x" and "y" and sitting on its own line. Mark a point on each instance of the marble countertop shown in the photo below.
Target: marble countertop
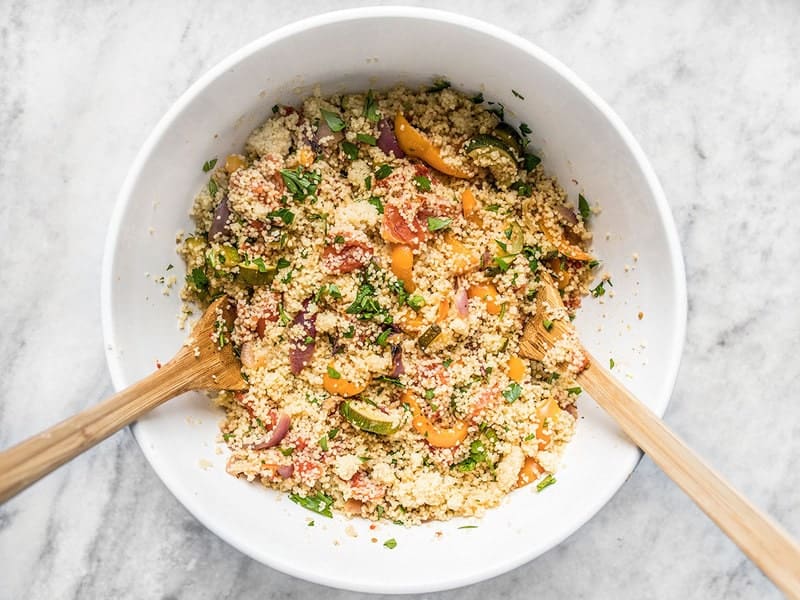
{"x": 711, "y": 91}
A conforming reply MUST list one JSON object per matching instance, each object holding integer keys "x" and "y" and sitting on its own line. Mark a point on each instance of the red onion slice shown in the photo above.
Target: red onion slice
{"x": 387, "y": 141}
{"x": 398, "y": 368}
{"x": 286, "y": 471}
{"x": 462, "y": 302}
{"x": 277, "y": 433}
{"x": 567, "y": 214}
{"x": 219, "y": 222}
{"x": 300, "y": 353}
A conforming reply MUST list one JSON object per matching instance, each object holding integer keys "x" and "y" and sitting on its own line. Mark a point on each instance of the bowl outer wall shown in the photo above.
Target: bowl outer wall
{"x": 256, "y": 520}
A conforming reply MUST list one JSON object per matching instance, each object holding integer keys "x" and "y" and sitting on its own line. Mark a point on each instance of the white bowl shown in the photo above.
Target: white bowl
{"x": 581, "y": 141}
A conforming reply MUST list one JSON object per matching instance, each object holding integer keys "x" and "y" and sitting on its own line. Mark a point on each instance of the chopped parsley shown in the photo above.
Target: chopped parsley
{"x": 368, "y": 182}
{"x": 523, "y": 189}
{"x": 281, "y": 264}
{"x": 498, "y": 109}
{"x": 429, "y": 394}
{"x": 275, "y": 109}
{"x": 323, "y": 443}
{"x": 477, "y": 98}
{"x": 583, "y": 208}
{"x": 333, "y": 373}
{"x": 351, "y": 332}
{"x": 517, "y": 94}
{"x": 377, "y": 203}
{"x": 546, "y": 482}
{"x": 393, "y": 380}
{"x": 593, "y": 263}
{"x": 311, "y": 523}
{"x": 437, "y": 223}
{"x": 371, "y": 108}
{"x": 611, "y": 363}
{"x": 574, "y": 390}
{"x": 477, "y": 455}
{"x": 530, "y": 161}
{"x": 599, "y": 289}
{"x": 366, "y": 139}
{"x": 512, "y": 393}
{"x": 548, "y": 324}
{"x": 416, "y": 302}
{"x": 333, "y": 433}
{"x": 525, "y": 129}
{"x": 350, "y": 150}
{"x": 366, "y": 303}
{"x": 319, "y": 503}
{"x": 334, "y": 121}
{"x": 170, "y": 266}
{"x": 468, "y": 527}
{"x": 209, "y": 164}
{"x": 383, "y": 338}
{"x": 493, "y": 208}
{"x": 423, "y": 183}
{"x": 300, "y": 183}
{"x": 198, "y": 279}
{"x": 383, "y": 172}
{"x": 439, "y": 85}
{"x": 282, "y": 316}
{"x": 339, "y": 239}
{"x": 391, "y": 543}
{"x": 284, "y": 214}
{"x": 286, "y": 451}
{"x": 212, "y": 187}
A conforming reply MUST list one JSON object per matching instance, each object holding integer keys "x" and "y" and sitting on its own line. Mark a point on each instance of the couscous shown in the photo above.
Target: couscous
{"x": 383, "y": 252}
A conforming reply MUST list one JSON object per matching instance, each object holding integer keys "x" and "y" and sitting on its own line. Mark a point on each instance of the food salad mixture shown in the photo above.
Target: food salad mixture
{"x": 383, "y": 251}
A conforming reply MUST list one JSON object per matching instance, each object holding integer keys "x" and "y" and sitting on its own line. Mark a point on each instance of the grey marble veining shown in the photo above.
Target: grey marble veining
{"x": 710, "y": 89}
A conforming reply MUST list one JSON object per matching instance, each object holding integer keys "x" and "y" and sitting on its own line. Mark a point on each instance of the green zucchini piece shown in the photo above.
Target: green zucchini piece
{"x": 490, "y": 152}
{"x": 506, "y": 133}
{"x": 365, "y": 417}
{"x": 427, "y": 337}
{"x": 222, "y": 257}
{"x": 252, "y": 274}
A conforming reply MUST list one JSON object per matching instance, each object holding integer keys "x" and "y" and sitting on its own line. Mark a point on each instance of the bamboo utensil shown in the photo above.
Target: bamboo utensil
{"x": 759, "y": 537}
{"x": 202, "y": 363}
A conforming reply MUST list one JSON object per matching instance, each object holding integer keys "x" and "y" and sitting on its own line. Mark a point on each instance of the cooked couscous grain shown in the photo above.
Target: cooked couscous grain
{"x": 383, "y": 252}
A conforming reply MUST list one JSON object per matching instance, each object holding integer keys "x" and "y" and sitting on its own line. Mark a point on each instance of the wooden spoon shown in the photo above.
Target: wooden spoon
{"x": 754, "y": 532}
{"x": 201, "y": 364}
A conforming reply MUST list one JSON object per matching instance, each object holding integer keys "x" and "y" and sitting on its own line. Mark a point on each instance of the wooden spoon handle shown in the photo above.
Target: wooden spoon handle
{"x": 32, "y": 459}
{"x": 754, "y": 532}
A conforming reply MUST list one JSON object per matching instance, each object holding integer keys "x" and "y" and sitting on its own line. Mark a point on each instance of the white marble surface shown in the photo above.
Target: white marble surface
{"x": 712, "y": 92}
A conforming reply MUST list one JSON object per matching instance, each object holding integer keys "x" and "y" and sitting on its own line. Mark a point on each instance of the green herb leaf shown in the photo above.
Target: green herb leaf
{"x": 437, "y": 223}
{"x": 212, "y": 187}
{"x": 311, "y": 523}
{"x": 333, "y": 373}
{"x": 281, "y": 264}
{"x": 333, "y": 120}
{"x": 368, "y": 182}
{"x": 498, "y": 109}
{"x": 574, "y": 390}
{"x": 548, "y": 324}
{"x": 366, "y": 305}
{"x": 286, "y": 451}
{"x": 391, "y": 543}
{"x": 416, "y": 302}
{"x": 350, "y": 150}
{"x": 517, "y": 94}
{"x": 611, "y": 363}
{"x": 377, "y": 203}
{"x": 477, "y": 98}
{"x": 198, "y": 279}
{"x": 371, "y": 108}
{"x": 350, "y": 333}
{"x": 524, "y": 129}
{"x": 366, "y": 139}
{"x": 530, "y": 161}
{"x": 333, "y": 433}
{"x": 381, "y": 340}
{"x": 209, "y": 164}
{"x": 439, "y": 85}
{"x": 599, "y": 289}
{"x": 284, "y": 214}
{"x": 339, "y": 239}
{"x": 275, "y": 109}
{"x": 319, "y": 503}
{"x": 300, "y": 183}
{"x": 383, "y": 172}
{"x": 323, "y": 443}
{"x": 512, "y": 393}
{"x": 423, "y": 183}
{"x": 523, "y": 189}
{"x": 583, "y": 208}
{"x": 593, "y": 263}
{"x": 468, "y": 527}
{"x": 546, "y": 482}
{"x": 393, "y": 380}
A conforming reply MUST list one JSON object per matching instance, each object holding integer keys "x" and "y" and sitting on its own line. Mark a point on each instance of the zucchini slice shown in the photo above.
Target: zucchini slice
{"x": 251, "y": 274}
{"x": 506, "y": 133}
{"x": 366, "y": 417}
{"x": 493, "y": 153}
